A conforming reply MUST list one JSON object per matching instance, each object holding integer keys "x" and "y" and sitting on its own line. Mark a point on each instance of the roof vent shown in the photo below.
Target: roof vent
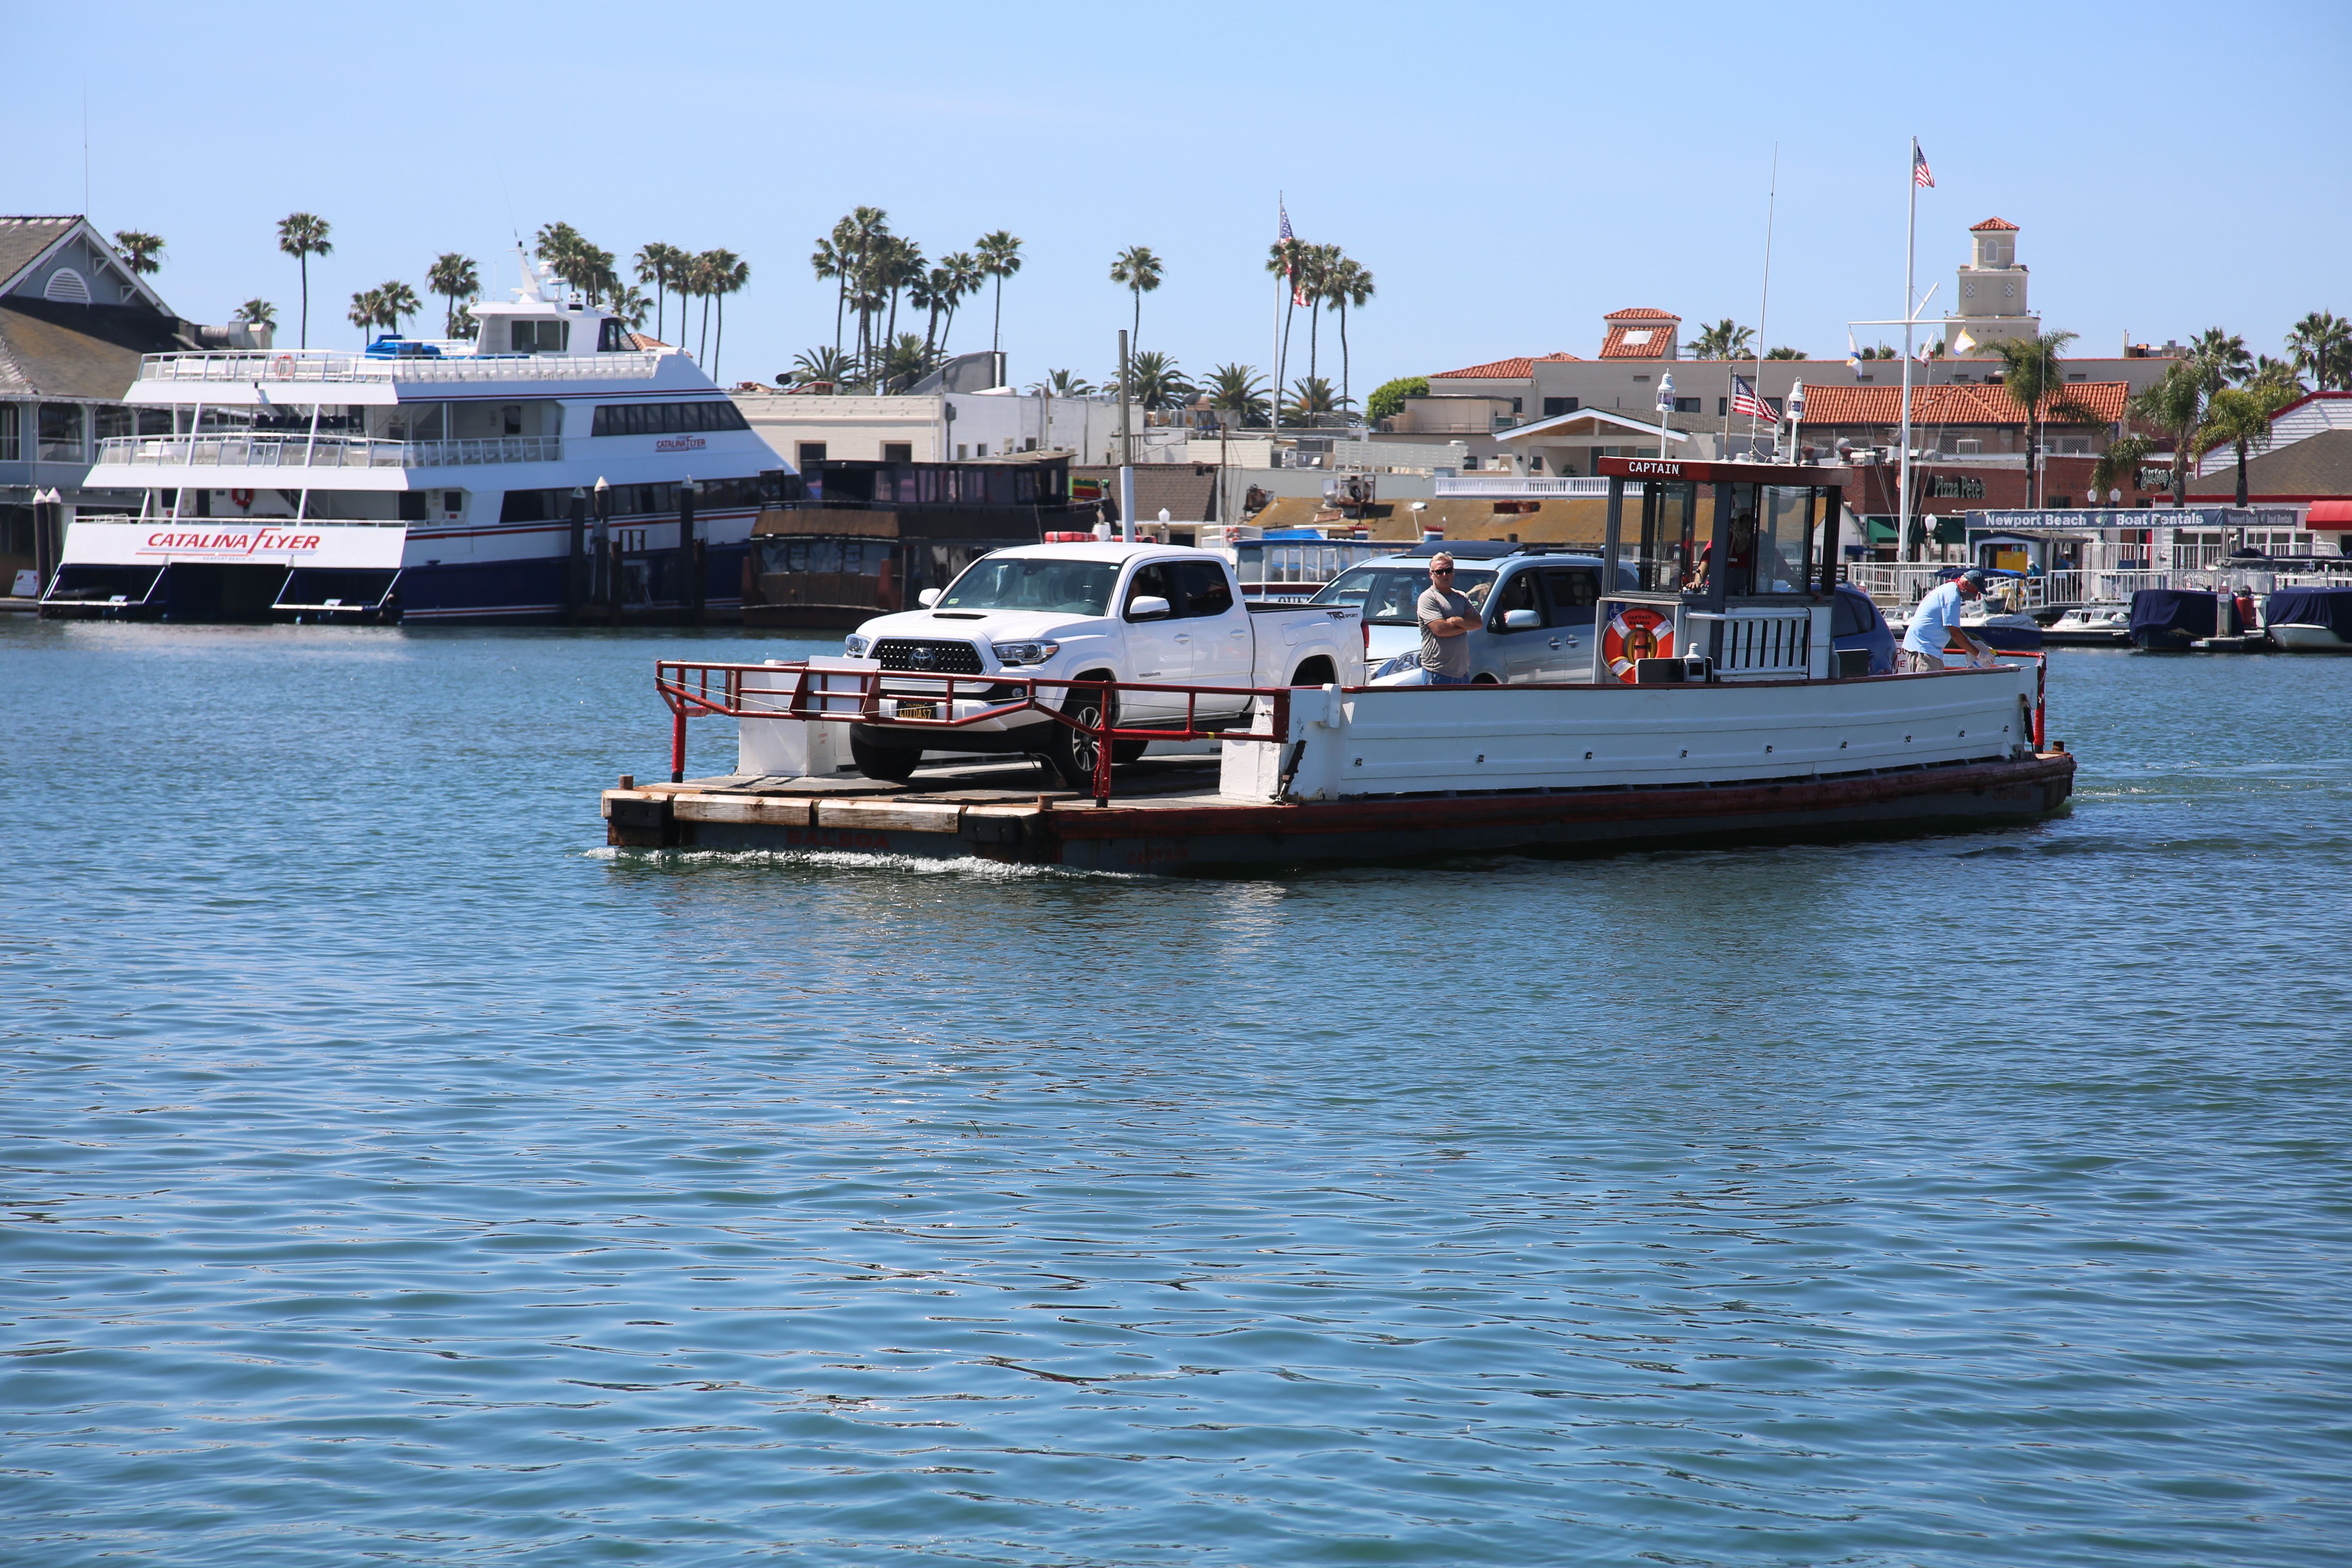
{"x": 67, "y": 285}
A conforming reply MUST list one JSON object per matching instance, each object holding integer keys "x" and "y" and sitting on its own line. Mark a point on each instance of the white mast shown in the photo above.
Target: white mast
{"x": 1910, "y": 305}
{"x": 1764, "y": 308}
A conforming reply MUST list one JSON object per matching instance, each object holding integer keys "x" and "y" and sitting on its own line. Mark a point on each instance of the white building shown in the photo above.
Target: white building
{"x": 932, "y": 427}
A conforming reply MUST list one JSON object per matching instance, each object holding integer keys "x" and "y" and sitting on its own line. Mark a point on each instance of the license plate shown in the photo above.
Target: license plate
{"x": 918, "y": 709}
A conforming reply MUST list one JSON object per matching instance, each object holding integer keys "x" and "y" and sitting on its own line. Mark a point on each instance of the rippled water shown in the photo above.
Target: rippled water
{"x": 394, "y": 1176}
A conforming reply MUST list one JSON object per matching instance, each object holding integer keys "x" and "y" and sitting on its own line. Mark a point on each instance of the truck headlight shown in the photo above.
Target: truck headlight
{"x": 854, "y": 646}
{"x": 1014, "y": 654}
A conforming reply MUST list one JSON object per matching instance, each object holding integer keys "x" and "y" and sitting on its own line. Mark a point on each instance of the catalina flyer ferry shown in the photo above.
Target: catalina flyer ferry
{"x": 558, "y": 468}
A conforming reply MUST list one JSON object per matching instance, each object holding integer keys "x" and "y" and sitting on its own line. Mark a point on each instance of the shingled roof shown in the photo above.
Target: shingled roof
{"x": 52, "y": 350}
{"x": 2313, "y": 468}
{"x": 1970, "y": 405}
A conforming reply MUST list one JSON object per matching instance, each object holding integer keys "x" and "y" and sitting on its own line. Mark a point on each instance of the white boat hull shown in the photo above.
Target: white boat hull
{"x": 2308, "y": 639}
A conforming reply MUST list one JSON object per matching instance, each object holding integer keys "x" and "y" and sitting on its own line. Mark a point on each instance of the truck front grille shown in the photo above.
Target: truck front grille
{"x": 921, "y": 657}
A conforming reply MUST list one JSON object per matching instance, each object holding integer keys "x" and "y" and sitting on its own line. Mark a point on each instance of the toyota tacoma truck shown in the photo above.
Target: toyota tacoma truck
{"x": 1115, "y": 612}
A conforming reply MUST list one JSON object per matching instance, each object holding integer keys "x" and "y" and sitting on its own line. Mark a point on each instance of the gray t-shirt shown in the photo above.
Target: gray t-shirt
{"x": 1449, "y": 656}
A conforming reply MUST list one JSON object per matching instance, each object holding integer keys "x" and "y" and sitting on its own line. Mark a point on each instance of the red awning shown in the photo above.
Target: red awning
{"x": 2329, "y": 516}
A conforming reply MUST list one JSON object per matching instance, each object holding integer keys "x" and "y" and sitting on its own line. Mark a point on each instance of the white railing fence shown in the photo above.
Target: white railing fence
{"x": 320, "y": 365}
{"x": 1527, "y": 485}
{"x": 322, "y": 451}
{"x": 1899, "y": 586}
{"x": 1759, "y": 644}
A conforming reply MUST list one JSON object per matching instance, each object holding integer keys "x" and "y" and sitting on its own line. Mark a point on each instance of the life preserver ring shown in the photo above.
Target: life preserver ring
{"x": 283, "y": 367}
{"x": 1635, "y": 631}
{"x": 243, "y": 498}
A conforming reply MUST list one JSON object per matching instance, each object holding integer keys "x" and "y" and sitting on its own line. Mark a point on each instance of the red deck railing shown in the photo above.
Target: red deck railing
{"x": 854, "y": 697}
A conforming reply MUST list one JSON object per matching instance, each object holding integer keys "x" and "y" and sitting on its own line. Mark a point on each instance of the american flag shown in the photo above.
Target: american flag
{"x": 1920, "y": 175}
{"x": 1745, "y": 401}
{"x": 1297, "y": 290}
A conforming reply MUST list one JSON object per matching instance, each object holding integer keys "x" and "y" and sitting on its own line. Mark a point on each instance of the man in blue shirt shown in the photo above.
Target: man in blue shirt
{"x": 1936, "y": 623}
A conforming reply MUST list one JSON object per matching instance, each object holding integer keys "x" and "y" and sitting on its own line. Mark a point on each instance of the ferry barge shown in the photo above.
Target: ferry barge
{"x": 1719, "y": 711}
{"x": 556, "y": 467}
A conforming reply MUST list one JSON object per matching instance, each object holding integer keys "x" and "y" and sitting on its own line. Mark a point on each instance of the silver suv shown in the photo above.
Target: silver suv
{"x": 1536, "y": 609}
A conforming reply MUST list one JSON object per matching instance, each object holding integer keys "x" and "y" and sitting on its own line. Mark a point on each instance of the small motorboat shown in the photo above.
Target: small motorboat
{"x": 2310, "y": 620}
{"x": 2091, "y": 626}
{"x": 2001, "y": 630}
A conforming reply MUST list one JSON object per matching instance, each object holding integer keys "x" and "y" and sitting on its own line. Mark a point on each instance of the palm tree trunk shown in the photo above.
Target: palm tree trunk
{"x": 704, "y": 341}
{"x": 1135, "y": 333}
{"x": 722, "y": 336}
{"x": 996, "y": 329}
{"x": 659, "y": 301}
{"x": 2241, "y": 473}
{"x": 1282, "y": 360}
{"x": 1314, "y": 325}
{"x": 306, "y": 302}
{"x": 1343, "y": 353}
{"x": 840, "y": 301}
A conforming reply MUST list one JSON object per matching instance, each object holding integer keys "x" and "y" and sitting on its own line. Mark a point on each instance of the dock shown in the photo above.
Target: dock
{"x": 1169, "y": 816}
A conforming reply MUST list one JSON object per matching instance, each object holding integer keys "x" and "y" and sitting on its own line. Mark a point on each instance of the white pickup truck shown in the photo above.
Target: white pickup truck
{"x": 1148, "y": 613}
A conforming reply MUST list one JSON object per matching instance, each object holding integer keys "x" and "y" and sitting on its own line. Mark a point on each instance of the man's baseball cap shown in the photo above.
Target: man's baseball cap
{"x": 1973, "y": 577}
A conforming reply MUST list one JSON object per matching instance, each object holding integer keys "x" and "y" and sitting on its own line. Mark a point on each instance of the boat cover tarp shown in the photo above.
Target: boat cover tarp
{"x": 2188, "y": 610}
{"x": 2329, "y": 607}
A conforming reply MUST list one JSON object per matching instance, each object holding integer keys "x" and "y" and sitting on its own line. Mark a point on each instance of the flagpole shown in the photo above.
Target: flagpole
{"x": 1764, "y": 309}
{"x": 1274, "y": 356}
{"x": 1910, "y": 248}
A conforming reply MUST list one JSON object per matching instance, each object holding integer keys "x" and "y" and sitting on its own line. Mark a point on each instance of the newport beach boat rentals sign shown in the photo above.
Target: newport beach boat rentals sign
{"x": 241, "y": 543}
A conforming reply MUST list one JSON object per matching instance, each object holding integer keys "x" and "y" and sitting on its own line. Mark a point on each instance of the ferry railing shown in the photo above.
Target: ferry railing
{"x": 1766, "y": 643}
{"x": 855, "y": 697}
{"x": 291, "y": 451}
{"x": 1899, "y": 586}
{"x": 321, "y": 365}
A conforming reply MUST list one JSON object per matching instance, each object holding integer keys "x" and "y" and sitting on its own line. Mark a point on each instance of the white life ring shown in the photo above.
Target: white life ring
{"x": 282, "y": 367}
{"x": 244, "y": 499}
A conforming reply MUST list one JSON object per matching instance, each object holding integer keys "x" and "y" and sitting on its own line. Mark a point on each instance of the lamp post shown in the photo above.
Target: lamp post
{"x": 1665, "y": 407}
{"x": 1796, "y": 415}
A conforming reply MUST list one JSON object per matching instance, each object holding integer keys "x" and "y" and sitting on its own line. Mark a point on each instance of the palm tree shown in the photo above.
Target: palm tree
{"x": 140, "y": 251}
{"x": 2221, "y": 358}
{"x": 2321, "y": 346}
{"x": 398, "y": 301}
{"x": 1313, "y": 281}
{"x": 1235, "y": 390}
{"x": 1724, "y": 340}
{"x": 1062, "y": 384}
{"x": 831, "y": 259}
{"x": 559, "y": 245}
{"x": 451, "y": 276}
{"x": 697, "y": 284}
{"x": 727, "y": 274}
{"x": 999, "y": 258}
{"x": 1784, "y": 352}
{"x": 259, "y": 312}
{"x": 1287, "y": 257}
{"x": 903, "y": 362}
{"x": 2174, "y": 406}
{"x": 367, "y": 310}
{"x": 1140, "y": 272}
{"x": 859, "y": 235}
{"x": 902, "y": 266}
{"x": 2121, "y": 460}
{"x": 630, "y": 305}
{"x": 2033, "y": 376}
{"x": 657, "y": 263}
{"x": 303, "y": 236}
{"x": 1155, "y": 381}
{"x": 1310, "y": 399}
{"x": 821, "y": 363}
{"x": 1350, "y": 283}
{"x": 965, "y": 277}
{"x": 2241, "y": 416}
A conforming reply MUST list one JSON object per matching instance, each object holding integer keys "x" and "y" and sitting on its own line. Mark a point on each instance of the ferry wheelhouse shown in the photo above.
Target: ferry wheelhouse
{"x": 558, "y": 467}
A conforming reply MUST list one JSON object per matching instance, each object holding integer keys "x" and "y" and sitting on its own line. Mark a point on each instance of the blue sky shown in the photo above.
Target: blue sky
{"x": 1508, "y": 172}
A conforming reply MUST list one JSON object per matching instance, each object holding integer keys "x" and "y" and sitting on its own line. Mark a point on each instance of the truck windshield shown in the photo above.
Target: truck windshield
{"x": 1387, "y": 593}
{"x": 1033, "y": 582}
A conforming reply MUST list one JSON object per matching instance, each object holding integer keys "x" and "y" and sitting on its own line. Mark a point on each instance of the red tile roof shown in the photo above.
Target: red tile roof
{"x": 1640, "y": 343}
{"x": 1970, "y": 405}
{"x": 1518, "y": 368}
{"x": 1990, "y": 223}
{"x": 1641, "y": 313}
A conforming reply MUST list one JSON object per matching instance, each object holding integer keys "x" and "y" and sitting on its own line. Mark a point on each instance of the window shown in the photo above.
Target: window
{"x": 540, "y": 337}
{"x": 670, "y": 419}
{"x": 1387, "y": 595}
{"x": 111, "y": 421}
{"x": 1573, "y": 590}
{"x": 808, "y": 453}
{"x": 898, "y": 451}
{"x": 1518, "y": 592}
{"x": 60, "y": 437}
{"x": 963, "y": 450}
{"x": 1155, "y": 581}
{"x": 1556, "y": 406}
{"x": 1722, "y": 406}
{"x": 614, "y": 337}
{"x": 67, "y": 287}
{"x": 11, "y": 438}
{"x": 979, "y": 450}
{"x": 1516, "y": 407}
{"x": 510, "y": 419}
{"x": 1206, "y": 591}
{"x": 1686, "y": 404}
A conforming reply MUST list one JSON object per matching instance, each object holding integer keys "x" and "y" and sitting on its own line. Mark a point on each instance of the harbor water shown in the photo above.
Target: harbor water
{"x": 394, "y": 1174}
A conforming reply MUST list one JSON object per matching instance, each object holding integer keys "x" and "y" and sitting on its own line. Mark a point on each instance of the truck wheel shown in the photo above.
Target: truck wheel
{"x": 1314, "y": 672}
{"x": 887, "y": 763}
{"x": 1071, "y": 753}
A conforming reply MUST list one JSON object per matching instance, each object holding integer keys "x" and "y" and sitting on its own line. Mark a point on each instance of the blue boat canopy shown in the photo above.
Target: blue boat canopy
{"x": 2188, "y": 610}
{"x": 2329, "y": 607}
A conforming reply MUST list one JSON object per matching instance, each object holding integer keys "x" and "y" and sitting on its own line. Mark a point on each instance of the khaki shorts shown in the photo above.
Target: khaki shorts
{"x": 1914, "y": 662}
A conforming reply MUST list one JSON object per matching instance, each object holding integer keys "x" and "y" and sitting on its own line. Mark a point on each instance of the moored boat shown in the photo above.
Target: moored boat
{"x": 2172, "y": 620}
{"x": 2310, "y": 620}
{"x": 2090, "y": 625}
